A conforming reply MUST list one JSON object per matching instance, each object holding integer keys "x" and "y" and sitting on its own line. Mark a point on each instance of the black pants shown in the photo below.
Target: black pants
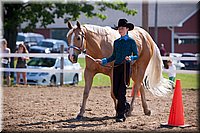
{"x": 119, "y": 87}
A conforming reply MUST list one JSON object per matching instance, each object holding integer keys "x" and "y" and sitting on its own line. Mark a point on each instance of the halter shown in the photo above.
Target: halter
{"x": 81, "y": 48}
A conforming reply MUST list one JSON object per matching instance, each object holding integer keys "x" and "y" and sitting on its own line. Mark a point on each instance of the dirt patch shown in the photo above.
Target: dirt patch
{"x": 36, "y": 108}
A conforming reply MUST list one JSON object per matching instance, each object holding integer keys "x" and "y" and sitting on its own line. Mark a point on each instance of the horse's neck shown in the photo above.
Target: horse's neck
{"x": 92, "y": 47}
{"x": 100, "y": 45}
{"x": 96, "y": 46}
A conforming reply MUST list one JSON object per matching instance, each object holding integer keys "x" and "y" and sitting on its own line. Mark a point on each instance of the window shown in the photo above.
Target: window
{"x": 20, "y": 38}
{"x": 45, "y": 44}
{"x": 43, "y": 62}
{"x": 59, "y": 34}
{"x": 27, "y": 39}
{"x": 67, "y": 62}
{"x": 188, "y": 41}
{"x": 39, "y": 38}
{"x": 56, "y": 46}
{"x": 33, "y": 39}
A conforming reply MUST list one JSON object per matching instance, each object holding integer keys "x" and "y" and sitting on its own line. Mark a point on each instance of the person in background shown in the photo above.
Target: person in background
{"x": 163, "y": 50}
{"x": 164, "y": 53}
{"x": 171, "y": 72}
{"x": 21, "y": 63}
{"x": 5, "y": 61}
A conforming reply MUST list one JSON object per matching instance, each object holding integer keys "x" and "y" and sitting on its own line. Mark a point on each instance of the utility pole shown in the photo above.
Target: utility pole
{"x": 1, "y": 81}
{"x": 1, "y": 21}
{"x": 156, "y": 23}
{"x": 145, "y": 15}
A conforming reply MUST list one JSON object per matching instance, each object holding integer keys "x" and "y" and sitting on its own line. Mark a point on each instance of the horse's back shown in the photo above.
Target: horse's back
{"x": 143, "y": 39}
{"x": 109, "y": 35}
{"x": 101, "y": 30}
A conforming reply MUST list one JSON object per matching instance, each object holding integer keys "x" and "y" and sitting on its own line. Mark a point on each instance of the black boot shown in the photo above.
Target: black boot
{"x": 127, "y": 108}
{"x": 121, "y": 118}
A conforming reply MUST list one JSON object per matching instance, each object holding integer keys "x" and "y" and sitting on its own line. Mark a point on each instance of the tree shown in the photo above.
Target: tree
{"x": 16, "y": 13}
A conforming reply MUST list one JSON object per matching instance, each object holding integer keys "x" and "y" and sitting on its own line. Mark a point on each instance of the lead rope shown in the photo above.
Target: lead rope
{"x": 126, "y": 81}
{"x": 95, "y": 61}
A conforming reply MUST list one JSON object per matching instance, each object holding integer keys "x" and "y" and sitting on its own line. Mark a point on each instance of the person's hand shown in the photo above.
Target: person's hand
{"x": 98, "y": 61}
{"x": 128, "y": 58}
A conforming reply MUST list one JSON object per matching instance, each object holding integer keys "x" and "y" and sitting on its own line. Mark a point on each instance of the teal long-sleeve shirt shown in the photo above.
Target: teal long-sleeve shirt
{"x": 124, "y": 46}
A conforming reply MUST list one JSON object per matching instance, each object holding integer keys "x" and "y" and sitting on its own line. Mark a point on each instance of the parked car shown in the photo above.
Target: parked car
{"x": 29, "y": 39}
{"x": 179, "y": 65}
{"x": 49, "y": 46}
{"x": 197, "y": 55}
{"x": 53, "y": 78}
{"x": 191, "y": 64}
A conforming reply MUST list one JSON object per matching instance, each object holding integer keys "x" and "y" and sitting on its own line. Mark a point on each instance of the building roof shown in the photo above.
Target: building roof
{"x": 173, "y": 14}
{"x": 169, "y": 15}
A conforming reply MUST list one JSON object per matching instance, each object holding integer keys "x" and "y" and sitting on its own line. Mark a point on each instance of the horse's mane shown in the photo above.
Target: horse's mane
{"x": 106, "y": 30}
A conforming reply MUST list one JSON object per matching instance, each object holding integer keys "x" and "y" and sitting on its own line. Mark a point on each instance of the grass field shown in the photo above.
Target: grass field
{"x": 187, "y": 80}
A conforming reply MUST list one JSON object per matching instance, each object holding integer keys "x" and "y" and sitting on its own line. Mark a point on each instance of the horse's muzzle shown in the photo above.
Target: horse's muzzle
{"x": 73, "y": 58}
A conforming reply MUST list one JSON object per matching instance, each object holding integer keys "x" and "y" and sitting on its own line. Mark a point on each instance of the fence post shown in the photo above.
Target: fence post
{"x": 61, "y": 65}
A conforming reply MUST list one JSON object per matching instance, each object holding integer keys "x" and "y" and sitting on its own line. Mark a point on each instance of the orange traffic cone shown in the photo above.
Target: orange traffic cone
{"x": 176, "y": 117}
{"x": 132, "y": 92}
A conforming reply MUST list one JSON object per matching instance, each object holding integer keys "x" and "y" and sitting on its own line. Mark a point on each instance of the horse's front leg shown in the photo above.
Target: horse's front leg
{"x": 88, "y": 75}
{"x": 112, "y": 93}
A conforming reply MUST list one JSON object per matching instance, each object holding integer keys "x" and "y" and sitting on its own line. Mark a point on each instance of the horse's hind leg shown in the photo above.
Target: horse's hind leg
{"x": 136, "y": 87}
{"x": 144, "y": 104}
{"x": 88, "y": 75}
{"x": 139, "y": 86}
{"x": 138, "y": 78}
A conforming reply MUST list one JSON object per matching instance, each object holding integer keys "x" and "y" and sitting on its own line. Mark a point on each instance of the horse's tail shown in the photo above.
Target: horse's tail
{"x": 153, "y": 79}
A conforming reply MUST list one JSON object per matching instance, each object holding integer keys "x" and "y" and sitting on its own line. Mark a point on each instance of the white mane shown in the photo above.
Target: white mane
{"x": 98, "y": 29}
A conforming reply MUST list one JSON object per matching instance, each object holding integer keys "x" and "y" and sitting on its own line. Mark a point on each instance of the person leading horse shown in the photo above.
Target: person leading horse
{"x": 124, "y": 47}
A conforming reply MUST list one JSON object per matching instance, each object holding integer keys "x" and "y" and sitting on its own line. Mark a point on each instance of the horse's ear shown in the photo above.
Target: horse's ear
{"x": 69, "y": 25}
{"x": 78, "y": 24}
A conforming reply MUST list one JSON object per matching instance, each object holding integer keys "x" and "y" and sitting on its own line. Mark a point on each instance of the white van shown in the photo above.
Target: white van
{"x": 29, "y": 39}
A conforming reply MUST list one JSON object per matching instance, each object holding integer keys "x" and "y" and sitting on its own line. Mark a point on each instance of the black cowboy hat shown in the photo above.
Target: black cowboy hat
{"x": 124, "y": 23}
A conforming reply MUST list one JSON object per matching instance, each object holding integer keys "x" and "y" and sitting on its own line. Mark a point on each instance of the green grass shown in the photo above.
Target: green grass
{"x": 99, "y": 79}
{"x": 82, "y": 62}
{"x": 187, "y": 80}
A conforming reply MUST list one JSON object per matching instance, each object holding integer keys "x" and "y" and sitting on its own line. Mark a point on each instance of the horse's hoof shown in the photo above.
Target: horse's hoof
{"x": 79, "y": 117}
{"x": 148, "y": 112}
{"x": 128, "y": 113}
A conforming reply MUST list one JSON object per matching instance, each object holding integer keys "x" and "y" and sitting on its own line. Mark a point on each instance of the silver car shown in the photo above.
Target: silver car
{"x": 53, "y": 78}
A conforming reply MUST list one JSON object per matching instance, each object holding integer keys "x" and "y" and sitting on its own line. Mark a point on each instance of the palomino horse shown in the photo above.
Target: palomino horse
{"x": 98, "y": 43}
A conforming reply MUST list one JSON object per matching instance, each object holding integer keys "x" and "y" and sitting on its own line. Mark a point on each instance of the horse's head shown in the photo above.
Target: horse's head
{"x": 76, "y": 41}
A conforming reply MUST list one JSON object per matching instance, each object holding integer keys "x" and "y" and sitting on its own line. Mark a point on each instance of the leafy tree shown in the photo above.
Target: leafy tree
{"x": 16, "y": 13}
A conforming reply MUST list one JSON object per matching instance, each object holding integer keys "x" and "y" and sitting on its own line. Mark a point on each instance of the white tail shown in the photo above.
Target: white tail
{"x": 153, "y": 79}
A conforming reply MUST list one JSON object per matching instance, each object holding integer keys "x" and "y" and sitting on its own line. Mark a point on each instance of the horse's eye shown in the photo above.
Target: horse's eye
{"x": 78, "y": 38}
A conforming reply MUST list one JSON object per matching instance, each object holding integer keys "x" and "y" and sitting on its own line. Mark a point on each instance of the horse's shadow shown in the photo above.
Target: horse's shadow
{"x": 73, "y": 123}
